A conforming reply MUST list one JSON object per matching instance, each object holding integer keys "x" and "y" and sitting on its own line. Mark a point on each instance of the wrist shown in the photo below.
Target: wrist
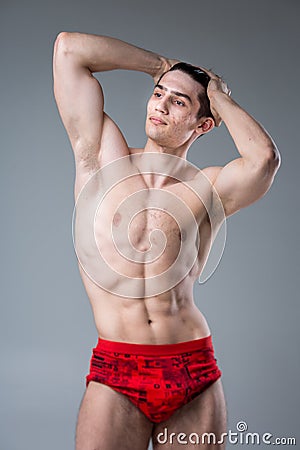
{"x": 218, "y": 100}
{"x": 217, "y": 97}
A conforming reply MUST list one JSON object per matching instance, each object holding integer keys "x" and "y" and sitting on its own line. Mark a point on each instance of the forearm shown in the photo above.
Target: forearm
{"x": 102, "y": 53}
{"x": 251, "y": 139}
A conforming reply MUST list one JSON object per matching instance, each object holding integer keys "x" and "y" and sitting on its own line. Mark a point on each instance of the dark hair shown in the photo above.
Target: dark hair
{"x": 202, "y": 78}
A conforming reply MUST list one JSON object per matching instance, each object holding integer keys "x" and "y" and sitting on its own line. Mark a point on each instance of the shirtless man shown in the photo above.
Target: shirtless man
{"x": 154, "y": 367}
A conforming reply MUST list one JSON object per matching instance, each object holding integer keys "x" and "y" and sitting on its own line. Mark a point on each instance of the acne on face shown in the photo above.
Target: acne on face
{"x": 175, "y": 101}
{"x": 180, "y": 89}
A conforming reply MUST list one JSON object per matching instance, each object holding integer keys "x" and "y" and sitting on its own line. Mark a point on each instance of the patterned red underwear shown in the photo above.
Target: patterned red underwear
{"x": 158, "y": 379}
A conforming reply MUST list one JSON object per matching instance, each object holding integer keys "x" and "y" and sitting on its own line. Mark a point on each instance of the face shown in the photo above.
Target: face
{"x": 172, "y": 110}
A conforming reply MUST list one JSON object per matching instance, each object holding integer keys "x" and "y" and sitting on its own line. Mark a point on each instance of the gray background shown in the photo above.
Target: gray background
{"x": 251, "y": 302}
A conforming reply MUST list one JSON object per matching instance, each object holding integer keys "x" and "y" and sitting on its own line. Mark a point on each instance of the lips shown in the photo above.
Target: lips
{"x": 157, "y": 121}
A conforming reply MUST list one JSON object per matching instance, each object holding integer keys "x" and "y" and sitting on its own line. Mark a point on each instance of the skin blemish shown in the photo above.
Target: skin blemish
{"x": 117, "y": 219}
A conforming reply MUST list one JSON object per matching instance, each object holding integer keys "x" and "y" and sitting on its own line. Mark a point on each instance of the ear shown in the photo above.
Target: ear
{"x": 205, "y": 125}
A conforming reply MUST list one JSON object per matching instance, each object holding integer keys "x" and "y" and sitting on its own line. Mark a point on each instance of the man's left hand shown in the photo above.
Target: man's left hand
{"x": 216, "y": 85}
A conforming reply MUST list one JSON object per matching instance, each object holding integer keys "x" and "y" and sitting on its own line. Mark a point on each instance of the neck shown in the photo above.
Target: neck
{"x": 154, "y": 147}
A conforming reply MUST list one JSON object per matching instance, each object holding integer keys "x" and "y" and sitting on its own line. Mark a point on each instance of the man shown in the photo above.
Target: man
{"x": 154, "y": 367}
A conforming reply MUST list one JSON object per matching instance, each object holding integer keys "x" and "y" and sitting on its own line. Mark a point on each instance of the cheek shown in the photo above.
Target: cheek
{"x": 184, "y": 122}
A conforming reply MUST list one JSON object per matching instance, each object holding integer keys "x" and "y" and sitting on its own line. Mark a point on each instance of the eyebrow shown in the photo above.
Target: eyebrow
{"x": 179, "y": 94}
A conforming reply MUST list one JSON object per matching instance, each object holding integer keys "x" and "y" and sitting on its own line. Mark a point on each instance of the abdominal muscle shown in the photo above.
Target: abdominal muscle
{"x": 168, "y": 318}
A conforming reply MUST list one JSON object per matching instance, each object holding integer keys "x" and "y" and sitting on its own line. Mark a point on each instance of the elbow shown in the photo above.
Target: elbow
{"x": 62, "y": 35}
{"x": 270, "y": 163}
{"x": 63, "y": 43}
{"x": 273, "y": 158}
{"x": 61, "y": 50}
{"x": 64, "y": 50}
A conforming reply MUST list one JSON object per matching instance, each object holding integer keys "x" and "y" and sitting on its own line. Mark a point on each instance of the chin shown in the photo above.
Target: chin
{"x": 157, "y": 137}
{"x": 160, "y": 140}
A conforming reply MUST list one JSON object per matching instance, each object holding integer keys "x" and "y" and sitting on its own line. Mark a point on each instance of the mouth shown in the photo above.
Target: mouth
{"x": 157, "y": 120}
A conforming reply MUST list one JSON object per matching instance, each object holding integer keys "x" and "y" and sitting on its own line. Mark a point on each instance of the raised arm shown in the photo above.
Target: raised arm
{"x": 79, "y": 95}
{"x": 246, "y": 179}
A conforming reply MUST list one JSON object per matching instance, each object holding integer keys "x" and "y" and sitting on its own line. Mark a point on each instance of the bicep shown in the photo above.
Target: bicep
{"x": 79, "y": 98}
{"x": 240, "y": 183}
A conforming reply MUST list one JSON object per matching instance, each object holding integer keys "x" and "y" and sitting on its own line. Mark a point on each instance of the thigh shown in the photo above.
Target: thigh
{"x": 107, "y": 420}
{"x": 206, "y": 413}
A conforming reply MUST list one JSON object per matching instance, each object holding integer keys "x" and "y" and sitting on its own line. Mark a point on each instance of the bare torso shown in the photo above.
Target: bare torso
{"x": 132, "y": 306}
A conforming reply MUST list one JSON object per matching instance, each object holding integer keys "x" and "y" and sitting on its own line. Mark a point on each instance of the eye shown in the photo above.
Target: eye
{"x": 179, "y": 103}
{"x": 157, "y": 94}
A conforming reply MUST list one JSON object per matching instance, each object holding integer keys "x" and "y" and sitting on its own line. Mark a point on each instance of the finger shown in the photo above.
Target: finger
{"x": 216, "y": 77}
{"x": 173, "y": 62}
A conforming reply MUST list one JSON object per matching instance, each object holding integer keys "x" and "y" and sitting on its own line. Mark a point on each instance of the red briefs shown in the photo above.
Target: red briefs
{"x": 158, "y": 379}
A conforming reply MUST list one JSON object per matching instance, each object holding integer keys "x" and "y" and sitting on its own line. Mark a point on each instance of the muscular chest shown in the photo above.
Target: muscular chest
{"x": 141, "y": 217}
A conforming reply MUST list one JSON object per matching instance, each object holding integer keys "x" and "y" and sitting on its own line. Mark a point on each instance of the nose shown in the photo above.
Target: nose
{"x": 162, "y": 106}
